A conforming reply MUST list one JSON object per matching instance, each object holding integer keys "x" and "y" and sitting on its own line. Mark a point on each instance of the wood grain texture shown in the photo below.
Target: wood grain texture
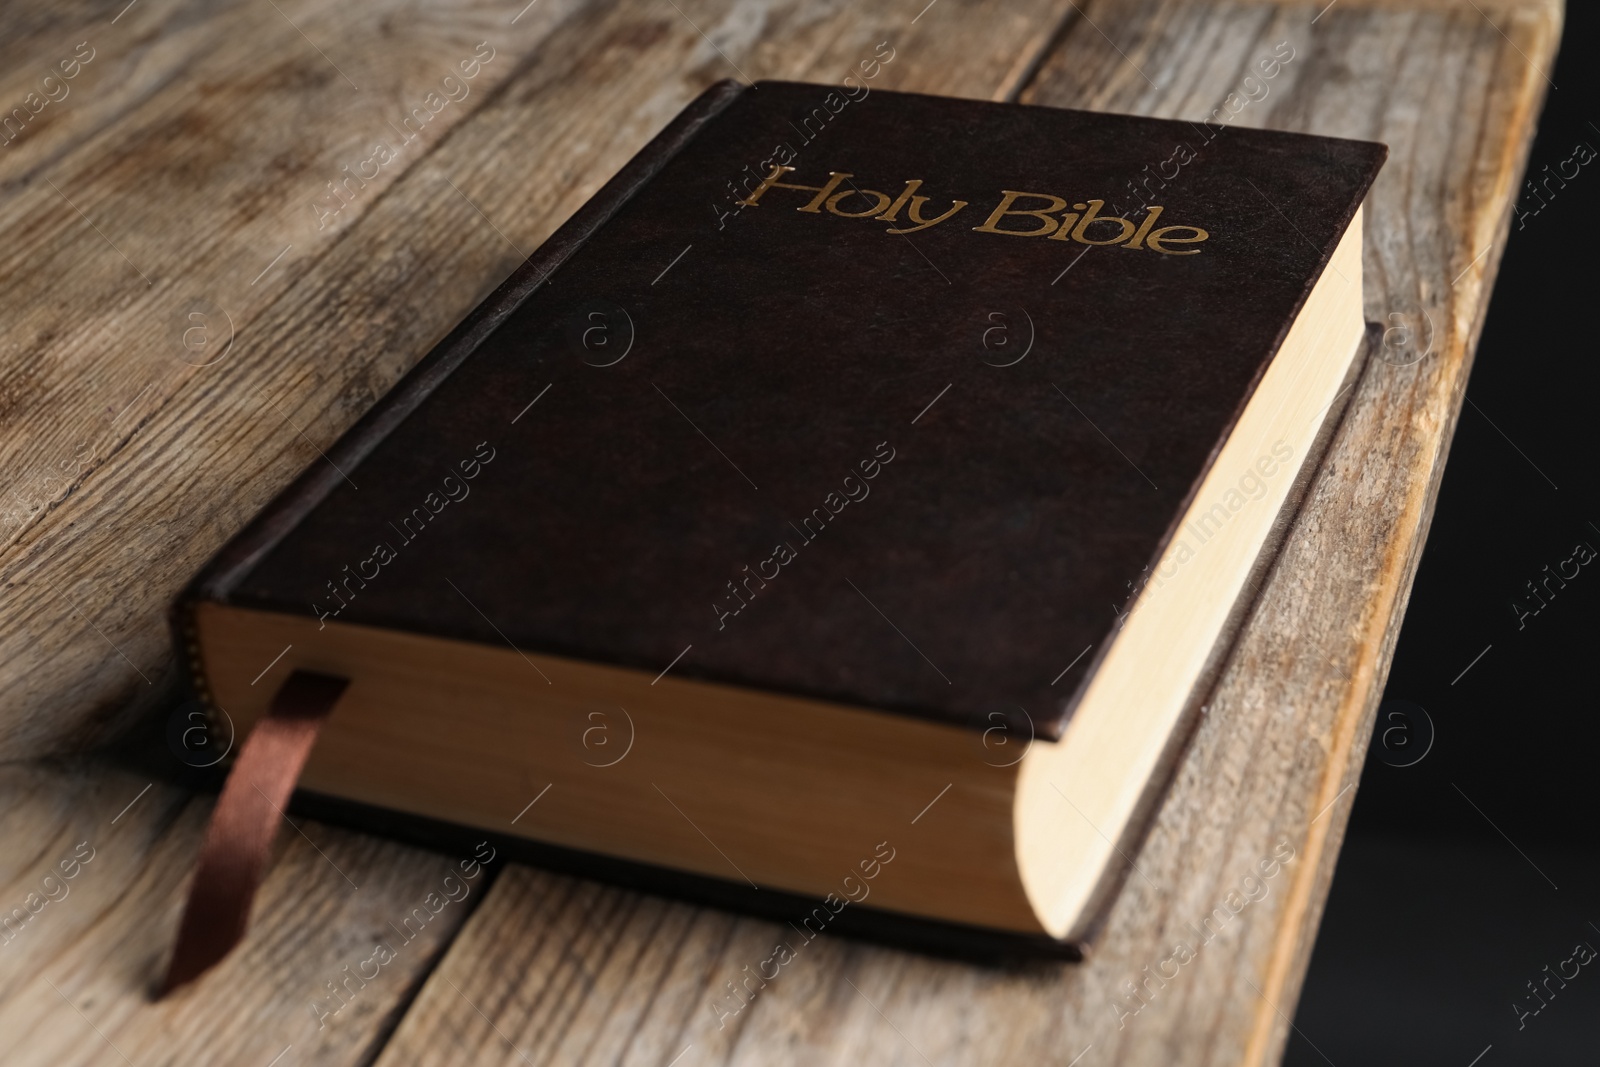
{"x": 196, "y": 160}
{"x": 77, "y": 974}
{"x": 1454, "y": 91}
{"x": 118, "y": 447}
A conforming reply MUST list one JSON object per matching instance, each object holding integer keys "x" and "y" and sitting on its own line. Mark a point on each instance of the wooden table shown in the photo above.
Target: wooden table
{"x": 191, "y": 314}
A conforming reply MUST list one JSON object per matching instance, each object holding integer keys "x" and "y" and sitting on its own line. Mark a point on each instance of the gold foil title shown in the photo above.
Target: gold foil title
{"x": 1018, "y": 214}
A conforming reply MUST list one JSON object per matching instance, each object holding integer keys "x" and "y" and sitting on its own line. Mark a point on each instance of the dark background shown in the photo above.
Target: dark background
{"x": 1466, "y": 873}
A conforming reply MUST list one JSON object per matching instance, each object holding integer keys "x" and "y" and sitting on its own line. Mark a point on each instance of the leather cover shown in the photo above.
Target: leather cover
{"x": 897, "y": 464}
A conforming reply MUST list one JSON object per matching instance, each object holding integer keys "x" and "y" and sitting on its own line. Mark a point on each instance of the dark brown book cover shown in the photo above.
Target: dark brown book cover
{"x": 867, "y": 438}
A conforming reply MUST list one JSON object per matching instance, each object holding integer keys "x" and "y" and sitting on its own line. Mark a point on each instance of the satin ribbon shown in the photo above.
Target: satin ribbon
{"x": 238, "y": 840}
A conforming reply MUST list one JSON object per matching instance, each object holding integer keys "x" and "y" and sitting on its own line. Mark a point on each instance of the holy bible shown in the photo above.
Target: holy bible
{"x": 848, "y": 505}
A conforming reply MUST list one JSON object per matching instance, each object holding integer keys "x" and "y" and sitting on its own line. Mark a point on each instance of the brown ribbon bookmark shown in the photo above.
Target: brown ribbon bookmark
{"x": 239, "y": 838}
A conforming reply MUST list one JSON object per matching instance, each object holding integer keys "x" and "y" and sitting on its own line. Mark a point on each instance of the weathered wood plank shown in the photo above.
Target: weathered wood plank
{"x": 208, "y": 162}
{"x": 97, "y": 70}
{"x": 1268, "y": 779}
{"x": 97, "y": 862}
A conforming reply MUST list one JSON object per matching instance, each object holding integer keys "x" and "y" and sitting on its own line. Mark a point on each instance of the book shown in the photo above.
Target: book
{"x": 847, "y": 508}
